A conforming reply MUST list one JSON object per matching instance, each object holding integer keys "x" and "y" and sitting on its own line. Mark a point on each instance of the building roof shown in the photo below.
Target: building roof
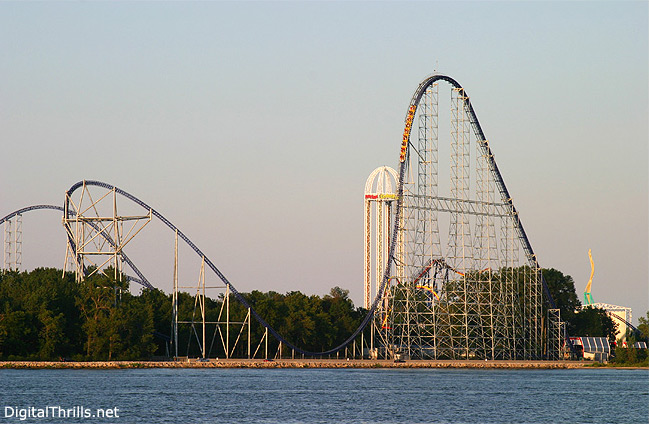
{"x": 593, "y": 344}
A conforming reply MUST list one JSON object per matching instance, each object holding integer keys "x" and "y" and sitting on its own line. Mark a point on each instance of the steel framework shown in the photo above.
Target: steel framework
{"x": 556, "y": 335}
{"x": 96, "y": 240}
{"x": 198, "y": 322}
{"x": 469, "y": 293}
{"x": 621, "y": 315}
{"x": 13, "y": 243}
{"x": 465, "y": 282}
{"x": 95, "y": 231}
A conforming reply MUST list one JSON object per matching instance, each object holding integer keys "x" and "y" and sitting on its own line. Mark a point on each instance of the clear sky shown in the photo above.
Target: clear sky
{"x": 253, "y": 126}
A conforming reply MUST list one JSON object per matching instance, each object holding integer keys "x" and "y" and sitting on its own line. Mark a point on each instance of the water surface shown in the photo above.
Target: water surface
{"x": 332, "y": 395}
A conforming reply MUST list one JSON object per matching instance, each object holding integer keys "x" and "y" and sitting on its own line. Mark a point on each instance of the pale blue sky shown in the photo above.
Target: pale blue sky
{"x": 253, "y": 126}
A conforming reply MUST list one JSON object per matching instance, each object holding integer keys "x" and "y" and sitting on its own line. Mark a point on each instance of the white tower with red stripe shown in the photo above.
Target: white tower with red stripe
{"x": 380, "y": 201}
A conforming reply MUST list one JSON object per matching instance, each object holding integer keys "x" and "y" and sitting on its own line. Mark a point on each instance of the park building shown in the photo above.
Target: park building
{"x": 621, "y": 316}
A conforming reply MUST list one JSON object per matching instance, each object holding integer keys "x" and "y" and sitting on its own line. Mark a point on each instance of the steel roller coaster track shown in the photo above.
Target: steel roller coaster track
{"x": 493, "y": 167}
{"x": 140, "y": 279}
{"x": 414, "y": 103}
{"x": 216, "y": 271}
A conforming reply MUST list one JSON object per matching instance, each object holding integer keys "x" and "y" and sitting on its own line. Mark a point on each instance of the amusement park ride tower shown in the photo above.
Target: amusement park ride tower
{"x": 621, "y": 315}
{"x": 380, "y": 200}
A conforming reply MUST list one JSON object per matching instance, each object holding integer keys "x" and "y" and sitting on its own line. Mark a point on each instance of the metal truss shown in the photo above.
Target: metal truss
{"x": 458, "y": 276}
{"x": 556, "y": 335}
{"x": 621, "y": 315}
{"x": 97, "y": 235}
{"x": 198, "y": 323}
{"x": 13, "y": 243}
{"x": 95, "y": 231}
{"x": 476, "y": 291}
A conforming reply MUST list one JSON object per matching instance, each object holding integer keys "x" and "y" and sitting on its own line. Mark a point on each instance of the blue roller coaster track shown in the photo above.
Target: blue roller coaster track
{"x": 140, "y": 279}
{"x": 414, "y": 103}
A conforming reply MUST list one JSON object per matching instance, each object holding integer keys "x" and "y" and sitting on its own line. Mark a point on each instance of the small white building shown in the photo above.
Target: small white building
{"x": 621, "y": 315}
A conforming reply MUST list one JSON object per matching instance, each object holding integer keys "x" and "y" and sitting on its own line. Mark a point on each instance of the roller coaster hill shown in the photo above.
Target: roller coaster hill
{"x": 451, "y": 275}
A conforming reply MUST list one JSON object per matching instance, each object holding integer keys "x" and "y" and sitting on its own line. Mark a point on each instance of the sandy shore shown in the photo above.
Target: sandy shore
{"x": 295, "y": 363}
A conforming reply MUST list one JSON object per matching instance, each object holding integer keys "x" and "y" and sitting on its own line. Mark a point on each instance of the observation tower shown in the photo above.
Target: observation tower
{"x": 380, "y": 198}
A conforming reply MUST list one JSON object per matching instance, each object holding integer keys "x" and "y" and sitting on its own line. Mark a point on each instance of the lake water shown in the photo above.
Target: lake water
{"x": 326, "y": 396}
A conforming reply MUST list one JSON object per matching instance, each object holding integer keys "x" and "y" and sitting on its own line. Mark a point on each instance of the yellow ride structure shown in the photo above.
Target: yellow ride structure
{"x": 588, "y": 298}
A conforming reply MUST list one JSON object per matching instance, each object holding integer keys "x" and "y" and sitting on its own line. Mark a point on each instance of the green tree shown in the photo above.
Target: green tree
{"x": 594, "y": 322}
{"x": 46, "y": 314}
{"x": 299, "y": 326}
{"x": 562, "y": 289}
{"x": 160, "y": 305}
{"x": 52, "y": 338}
{"x": 18, "y": 335}
{"x": 130, "y": 332}
{"x": 98, "y": 298}
{"x": 41, "y": 304}
{"x": 342, "y": 315}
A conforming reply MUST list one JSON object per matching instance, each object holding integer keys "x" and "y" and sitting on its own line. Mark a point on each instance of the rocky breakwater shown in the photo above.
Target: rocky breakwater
{"x": 290, "y": 363}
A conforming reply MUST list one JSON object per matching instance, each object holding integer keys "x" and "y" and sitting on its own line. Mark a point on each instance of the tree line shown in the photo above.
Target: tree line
{"x": 46, "y": 315}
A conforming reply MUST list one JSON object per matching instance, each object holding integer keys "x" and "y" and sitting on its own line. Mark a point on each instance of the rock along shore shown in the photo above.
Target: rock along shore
{"x": 292, "y": 363}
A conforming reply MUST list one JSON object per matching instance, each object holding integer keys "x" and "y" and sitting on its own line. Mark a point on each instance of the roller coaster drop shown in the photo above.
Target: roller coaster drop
{"x": 480, "y": 299}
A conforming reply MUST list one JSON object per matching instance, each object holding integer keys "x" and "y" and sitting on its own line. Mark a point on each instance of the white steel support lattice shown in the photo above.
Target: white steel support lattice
{"x": 96, "y": 233}
{"x": 556, "y": 335}
{"x": 18, "y": 243}
{"x": 468, "y": 293}
{"x": 621, "y": 316}
{"x": 8, "y": 245}
{"x": 13, "y": 243}
{"x": 198, "y": 322}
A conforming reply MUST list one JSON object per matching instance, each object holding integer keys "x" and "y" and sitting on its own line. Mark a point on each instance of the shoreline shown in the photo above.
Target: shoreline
{"x": 305, "y": 363}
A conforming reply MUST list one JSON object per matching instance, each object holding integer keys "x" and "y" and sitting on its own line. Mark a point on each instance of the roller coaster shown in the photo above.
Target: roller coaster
{"x": 471, "y": 296}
